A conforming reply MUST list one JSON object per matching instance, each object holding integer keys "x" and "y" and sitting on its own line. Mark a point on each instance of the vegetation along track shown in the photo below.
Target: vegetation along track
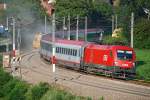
{"x": 41, "y": 68}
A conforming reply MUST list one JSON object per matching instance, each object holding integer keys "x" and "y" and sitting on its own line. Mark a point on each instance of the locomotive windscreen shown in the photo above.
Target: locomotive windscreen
{"x": 124, "y": 55}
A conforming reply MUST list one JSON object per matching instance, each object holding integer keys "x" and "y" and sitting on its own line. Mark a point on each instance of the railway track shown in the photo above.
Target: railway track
{"x": 41, "y": 68}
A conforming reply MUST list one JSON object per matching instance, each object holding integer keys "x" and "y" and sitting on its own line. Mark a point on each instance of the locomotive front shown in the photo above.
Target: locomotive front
{"x": 124, "y": 58}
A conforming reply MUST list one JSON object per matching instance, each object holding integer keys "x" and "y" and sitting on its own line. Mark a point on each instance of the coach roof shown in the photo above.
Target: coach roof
{"x": 48, "y": 37}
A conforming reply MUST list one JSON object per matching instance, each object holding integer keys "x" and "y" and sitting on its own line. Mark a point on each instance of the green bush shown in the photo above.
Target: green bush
{"x": 56, "y": 94}
{"x": 7, "y": 88}
{"x": 4, "y": 78}
{"x": 143, "y": 72}
{"x": 115, "y": 41}
{"x": 18, "y": 93}
{"x": 39, "y": 90}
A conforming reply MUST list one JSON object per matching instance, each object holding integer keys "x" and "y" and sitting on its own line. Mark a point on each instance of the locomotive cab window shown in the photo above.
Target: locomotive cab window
{"x": 124, "y": 55}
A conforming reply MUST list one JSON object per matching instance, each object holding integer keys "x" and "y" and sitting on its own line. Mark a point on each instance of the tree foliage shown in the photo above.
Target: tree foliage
{"x": 93, "y": 9}
{"x": 39, "y": 90}
{"x": 142, "y": 34}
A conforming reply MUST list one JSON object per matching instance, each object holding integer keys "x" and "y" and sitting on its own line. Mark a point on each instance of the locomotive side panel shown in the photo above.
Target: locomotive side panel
{"x": 98, "y": 57}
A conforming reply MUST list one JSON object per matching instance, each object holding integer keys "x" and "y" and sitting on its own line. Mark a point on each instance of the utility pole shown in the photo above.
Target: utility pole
{"x": 77, "y": 30}
{"x": 53, "y": 41}
{"x": 7, "y": 23}
{"x": 68, "y": 27}
{"x": 132, "y": 28}
{"x": 18, "y": 38}
{"x": 85, "y": 34}
{"x": 112, "y": 23}
{"x": 64, "y": 26}
{"x": 116, "y": 21}
{"x": 7, "y": 45}
{"x": 45, "y": 24}
{"x": 14, "y": 47}
{"x": 18, "y": 43}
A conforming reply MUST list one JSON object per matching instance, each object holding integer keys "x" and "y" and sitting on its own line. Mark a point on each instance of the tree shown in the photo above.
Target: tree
{"x": 141, "y": 35}
{"x": 93, "y": 9}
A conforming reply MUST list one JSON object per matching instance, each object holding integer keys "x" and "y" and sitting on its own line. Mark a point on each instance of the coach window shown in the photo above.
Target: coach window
{"x": 72, "y": 52}
{"x": 65, "y": 50}
{"x": 46, "y": 46}
{"x": 59, "y": 49}
{"x": 62, "y": 50}
{"x": 75, "y": 52}
{"x": 68, "y": 51}
{"x": 56, "y": 49}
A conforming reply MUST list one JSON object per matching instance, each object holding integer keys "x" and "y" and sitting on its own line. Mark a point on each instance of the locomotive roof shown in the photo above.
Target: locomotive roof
{"x": 108, "y": 47}
{"x": 48, "y": 37}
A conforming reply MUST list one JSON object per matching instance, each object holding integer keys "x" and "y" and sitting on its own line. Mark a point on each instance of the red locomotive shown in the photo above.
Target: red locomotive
{"x": 90, "y": 57}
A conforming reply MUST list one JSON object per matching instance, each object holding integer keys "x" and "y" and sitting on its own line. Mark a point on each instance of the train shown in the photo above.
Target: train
{"x": 110, "y": 60}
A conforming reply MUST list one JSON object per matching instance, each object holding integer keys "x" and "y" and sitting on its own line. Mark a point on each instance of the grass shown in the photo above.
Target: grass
{"x": 143, "y": 55}
{"x": 143, "y": 64}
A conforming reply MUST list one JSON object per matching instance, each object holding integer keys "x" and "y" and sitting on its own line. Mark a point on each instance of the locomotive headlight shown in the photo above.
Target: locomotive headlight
{"x": 116, "y": 63}
{"x": 133, "y": 64}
